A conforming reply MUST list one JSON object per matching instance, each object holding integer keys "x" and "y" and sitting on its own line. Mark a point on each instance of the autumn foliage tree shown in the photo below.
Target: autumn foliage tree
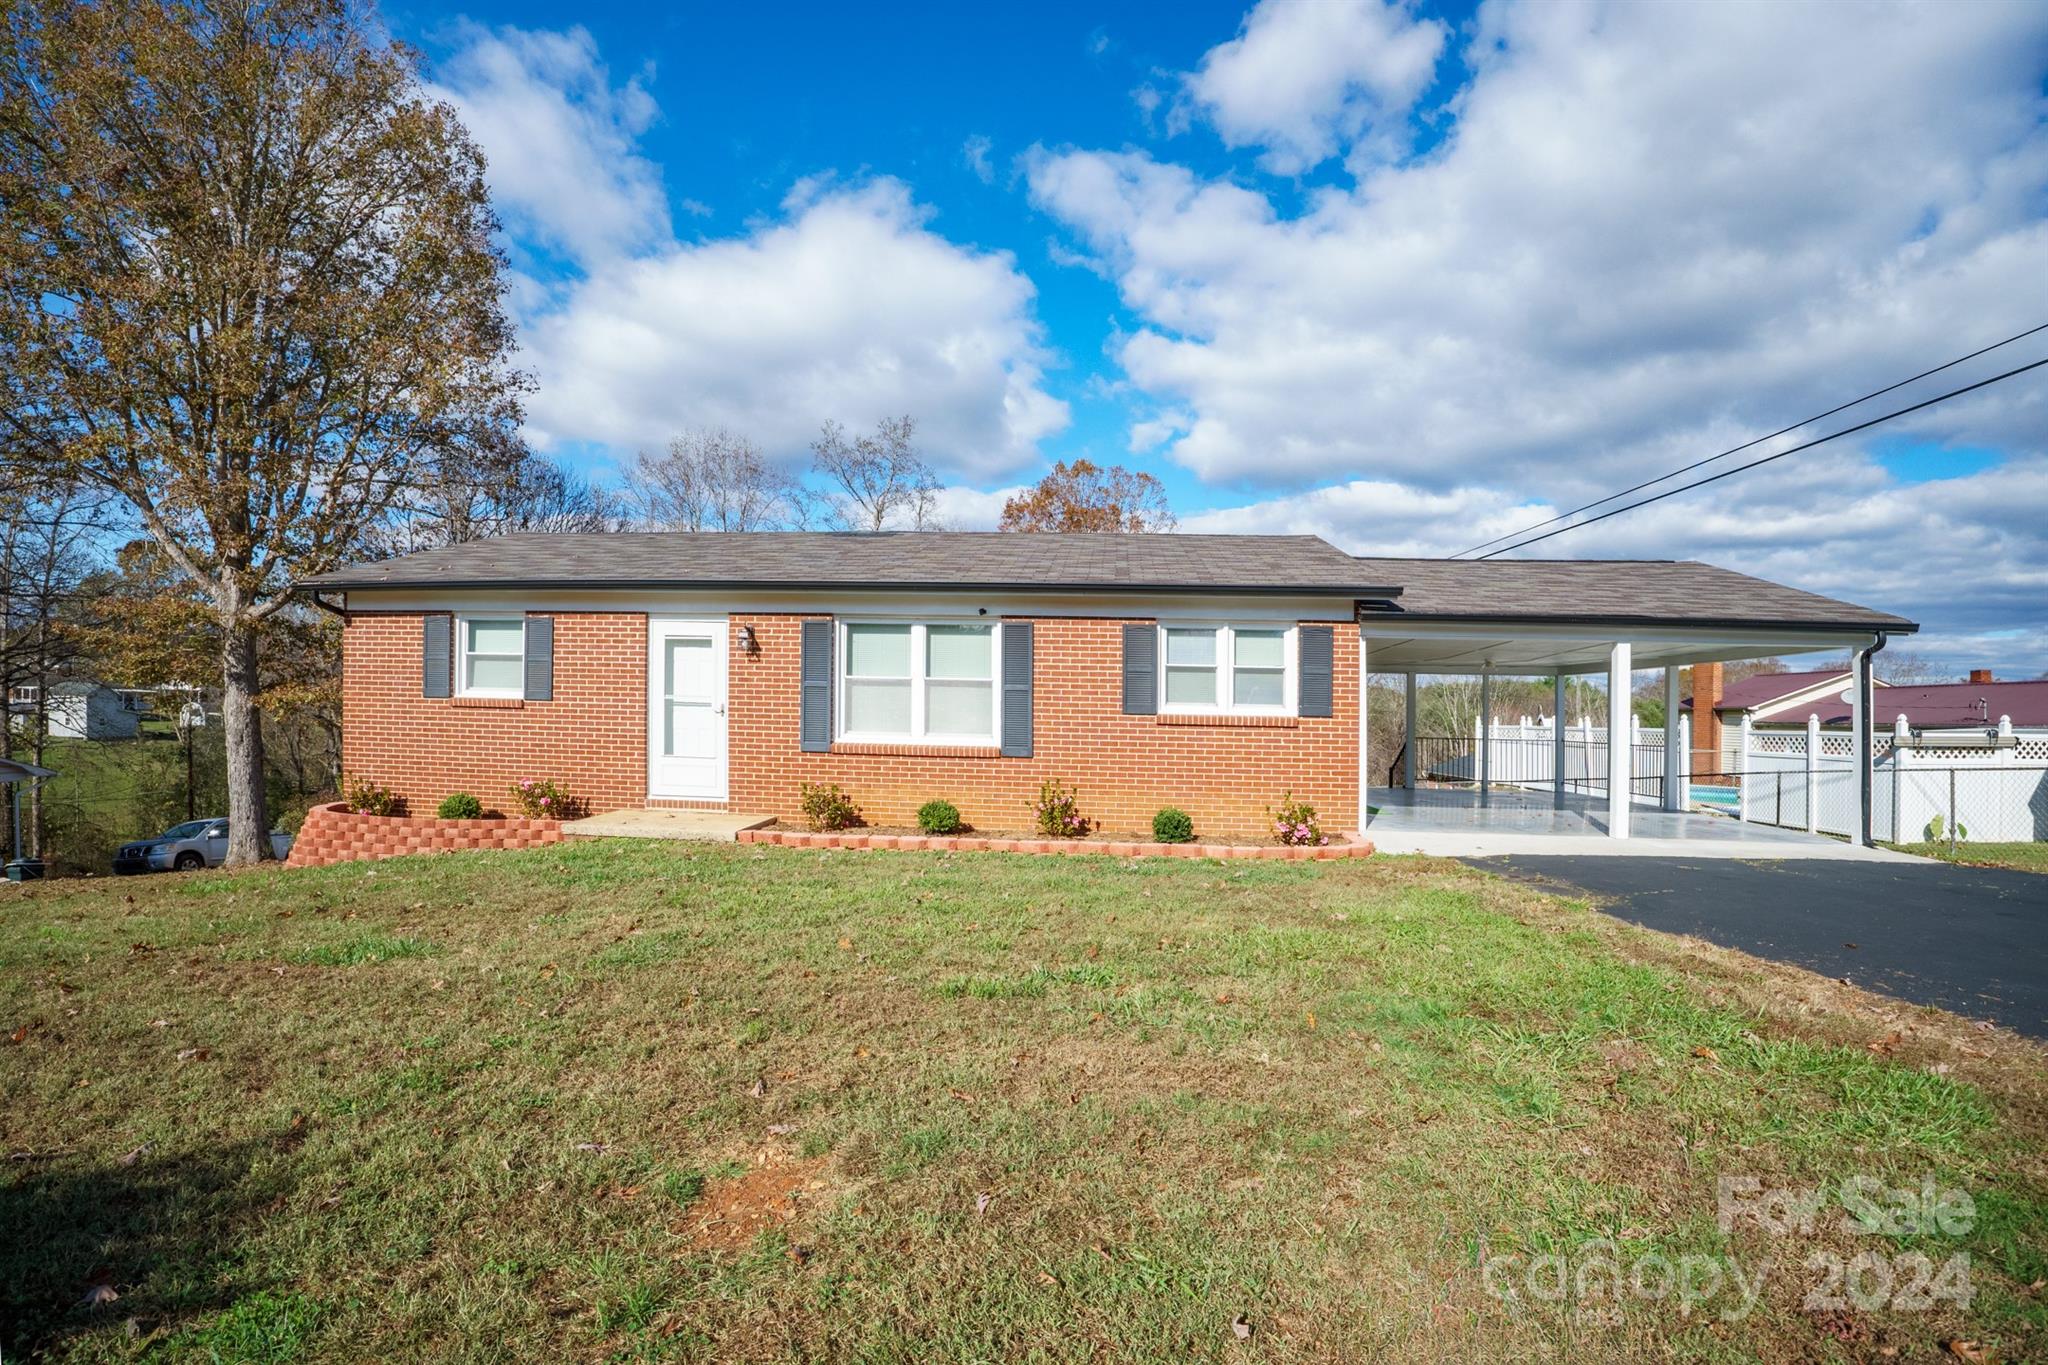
{"x": 1085, "y": 497}
{"x": 248, "y": 284}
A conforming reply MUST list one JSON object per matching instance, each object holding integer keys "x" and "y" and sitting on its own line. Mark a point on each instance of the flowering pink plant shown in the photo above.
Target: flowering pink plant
{"x": 1058, "y": 809}
{"x": 1295, "y": 823}
{"x": 543, "y": 797}
{"x": 364, "y": 797}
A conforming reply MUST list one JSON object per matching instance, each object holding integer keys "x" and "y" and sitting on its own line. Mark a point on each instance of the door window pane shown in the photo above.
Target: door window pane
{"x": 1260, "y": 676}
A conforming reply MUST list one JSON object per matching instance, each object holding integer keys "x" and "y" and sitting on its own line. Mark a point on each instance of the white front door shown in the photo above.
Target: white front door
{"x": 686, "y": 695}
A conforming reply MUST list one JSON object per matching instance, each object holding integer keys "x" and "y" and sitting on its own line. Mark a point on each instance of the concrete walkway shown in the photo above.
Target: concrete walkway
{"x": 716, "y": 825}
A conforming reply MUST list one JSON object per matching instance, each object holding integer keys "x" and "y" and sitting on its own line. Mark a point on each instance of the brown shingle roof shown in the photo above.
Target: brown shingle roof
{"x": 1679, "y": 592}
{"x": 907, "y": 560}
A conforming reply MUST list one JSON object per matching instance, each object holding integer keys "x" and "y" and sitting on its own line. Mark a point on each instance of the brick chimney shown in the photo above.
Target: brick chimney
{"x": 1981, "y": 675}
{"x": 1706, "y": 721}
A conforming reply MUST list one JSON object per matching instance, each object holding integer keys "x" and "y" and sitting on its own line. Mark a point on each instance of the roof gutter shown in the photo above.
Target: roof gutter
{"x": 1098, "y": 589}
{"x": 1893, "y": 626}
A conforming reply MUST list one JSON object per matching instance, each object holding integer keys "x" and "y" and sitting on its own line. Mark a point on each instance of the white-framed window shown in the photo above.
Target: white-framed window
{"x": 490, "y": 656}
{"x": 1227, "y": 669}
{"x": 924, "y": 682}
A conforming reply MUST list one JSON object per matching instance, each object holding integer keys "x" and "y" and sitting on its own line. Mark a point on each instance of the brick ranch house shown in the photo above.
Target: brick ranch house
{"x": 1214, "y": 673}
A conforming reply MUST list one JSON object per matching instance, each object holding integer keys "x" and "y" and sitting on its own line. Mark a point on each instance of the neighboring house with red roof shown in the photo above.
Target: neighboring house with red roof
{"x": 1785, "y": 700}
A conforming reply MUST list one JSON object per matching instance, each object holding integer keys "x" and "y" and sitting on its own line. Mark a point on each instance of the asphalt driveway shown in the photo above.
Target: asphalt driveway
{"x": 1969, "y": 939}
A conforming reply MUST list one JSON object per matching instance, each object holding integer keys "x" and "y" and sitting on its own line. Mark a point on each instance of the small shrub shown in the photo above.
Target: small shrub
{"x": 1296, "y": 823}
{"x": 546, "y": 799}
{"x": 939, "y": 817}
{"x": 1059, "y": 810}
{"x": 364, "y": 797}
{"x": 460, "y": 806}
{"x": 1935, "y": 827}
{"x": 826, "y": 807}
{"x": 1173, "y": 826}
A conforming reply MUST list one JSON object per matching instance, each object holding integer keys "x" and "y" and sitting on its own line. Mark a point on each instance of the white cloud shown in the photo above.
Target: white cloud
{"x": 560, "y": 137}
{"x": 1302, "y": 79}
{"x": 975, "y": 152}
{"x": 1647, "y": 229}
{"x": 846, "y": 305}
{"x": 968, "y": 509}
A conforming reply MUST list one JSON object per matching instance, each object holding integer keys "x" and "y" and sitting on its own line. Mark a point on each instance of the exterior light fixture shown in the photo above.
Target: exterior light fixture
{"x": 746, "y": 641}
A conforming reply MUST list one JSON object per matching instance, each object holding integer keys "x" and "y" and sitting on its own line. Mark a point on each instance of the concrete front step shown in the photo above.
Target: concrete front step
{"x": 719, "y": 826}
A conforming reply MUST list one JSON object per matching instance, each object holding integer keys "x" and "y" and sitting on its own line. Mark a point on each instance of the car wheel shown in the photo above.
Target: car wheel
{"x": 189, "y": 862}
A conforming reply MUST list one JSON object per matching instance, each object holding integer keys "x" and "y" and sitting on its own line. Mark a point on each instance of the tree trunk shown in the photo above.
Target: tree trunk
{"x": 242, "y": 727}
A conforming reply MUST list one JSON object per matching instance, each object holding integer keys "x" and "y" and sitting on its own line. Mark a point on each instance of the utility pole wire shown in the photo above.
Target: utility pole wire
{"x": 1752, "y": 464}
{"x": 1737, "y": 450}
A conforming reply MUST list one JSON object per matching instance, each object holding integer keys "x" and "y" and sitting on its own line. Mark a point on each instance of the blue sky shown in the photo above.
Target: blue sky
{"x": 1407, "y": 277}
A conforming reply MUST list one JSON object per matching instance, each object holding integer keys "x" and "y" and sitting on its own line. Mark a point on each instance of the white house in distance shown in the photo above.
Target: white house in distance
{"x": 88, "y": 710}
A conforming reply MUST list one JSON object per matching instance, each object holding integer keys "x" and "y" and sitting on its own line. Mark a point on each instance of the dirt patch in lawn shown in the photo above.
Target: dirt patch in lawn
{"x": 779, "y": 1190}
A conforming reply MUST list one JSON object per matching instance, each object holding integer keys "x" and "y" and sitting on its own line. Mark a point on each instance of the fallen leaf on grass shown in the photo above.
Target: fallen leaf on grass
{"x": 1705, "y": 1053}
{"x": 1887, "y": 1045}
{"x": 781, "y": 1129}
{"x": 97, "y": 1295}
{"x": 962, "y": 1096}
{"x": 1311, "y": 1021}
{"x": 20, "y": 1035}
{"x": 759, "y": 1089}
{"x": 194, "y": 1054}
{"x": 1241, "y": 1328}
{"x": 1975, "y": 1352}
{"x": 137, "y": 1154}
{"x": 845, "y": 945}
{"x": 593, "y": 1147}
{"x": 981, "y": 1203}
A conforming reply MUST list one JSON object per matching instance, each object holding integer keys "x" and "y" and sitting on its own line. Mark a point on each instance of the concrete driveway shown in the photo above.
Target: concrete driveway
{"x": 1969, "y": 939}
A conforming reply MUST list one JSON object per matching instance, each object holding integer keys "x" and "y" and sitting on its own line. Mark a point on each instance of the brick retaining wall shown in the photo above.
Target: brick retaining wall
{"x": 335, "y": 834}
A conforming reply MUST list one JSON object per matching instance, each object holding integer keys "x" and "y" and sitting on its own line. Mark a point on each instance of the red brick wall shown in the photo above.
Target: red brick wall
{"x": 1706, "y": 721}
{"x": 1224, "y": 775}
{"x": 335, "y": 834}
{"x": 594, "y": 736}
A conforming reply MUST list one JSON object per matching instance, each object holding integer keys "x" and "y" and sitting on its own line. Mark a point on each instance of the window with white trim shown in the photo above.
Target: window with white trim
{"x": 491, "y": 656}
{"x": 918, "y": 682}
{"x": 1227, "y": 670}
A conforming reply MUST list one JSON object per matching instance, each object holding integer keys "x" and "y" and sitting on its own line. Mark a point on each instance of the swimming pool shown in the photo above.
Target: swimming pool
{"x": 1720, "y": 798}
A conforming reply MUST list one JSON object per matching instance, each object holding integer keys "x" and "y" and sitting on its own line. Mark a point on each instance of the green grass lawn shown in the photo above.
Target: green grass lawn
{"x": 623, "y": 1101}
{"x": 2031, "y": 857}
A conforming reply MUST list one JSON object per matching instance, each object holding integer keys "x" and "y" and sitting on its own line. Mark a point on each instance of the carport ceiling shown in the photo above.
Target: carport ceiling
{"x": 1540, "y": 650}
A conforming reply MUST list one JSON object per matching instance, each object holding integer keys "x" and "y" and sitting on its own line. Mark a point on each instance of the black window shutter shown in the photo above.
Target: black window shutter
{"x": 1016, "y": 689}
{"x": 540, "y": 658}
{"x": 1317, "y": 650}
{"x": 437, "y": 654}
{"x": 814, "y": 717}
{"x": 1141, "y": 670}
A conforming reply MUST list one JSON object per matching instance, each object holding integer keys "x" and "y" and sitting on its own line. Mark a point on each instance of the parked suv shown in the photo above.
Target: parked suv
{"x": 187, "y": 847}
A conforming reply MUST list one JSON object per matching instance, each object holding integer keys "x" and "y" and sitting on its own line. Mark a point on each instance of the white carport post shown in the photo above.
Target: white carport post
{"x": 1620, "y": 762}
{"x": 1408, "y": 730}
{"x": 1674, "y": 743}
{"x": 1485, "y": 734}
{"x": 1557, "y": 739}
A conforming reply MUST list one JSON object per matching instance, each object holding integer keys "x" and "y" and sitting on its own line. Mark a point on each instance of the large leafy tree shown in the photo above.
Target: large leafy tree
{"x": 248, "y": 283}
{"x": 1083, "y": 496}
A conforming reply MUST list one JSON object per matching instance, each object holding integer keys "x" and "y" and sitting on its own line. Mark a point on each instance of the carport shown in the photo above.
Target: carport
{"x": 1575, "y": 618}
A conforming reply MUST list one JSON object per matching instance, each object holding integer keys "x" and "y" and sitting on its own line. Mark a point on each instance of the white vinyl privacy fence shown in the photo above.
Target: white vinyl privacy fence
{"x": 1988, "y": 786}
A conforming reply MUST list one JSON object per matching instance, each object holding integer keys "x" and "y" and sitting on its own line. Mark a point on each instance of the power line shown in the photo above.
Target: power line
{"x": 1752, "y": 464}
{"x": 1737, "y": 450}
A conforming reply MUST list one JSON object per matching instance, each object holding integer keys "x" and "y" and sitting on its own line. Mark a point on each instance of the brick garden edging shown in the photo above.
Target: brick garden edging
{"x": 796, "y": 838}
{"x": 335, "y": 834}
